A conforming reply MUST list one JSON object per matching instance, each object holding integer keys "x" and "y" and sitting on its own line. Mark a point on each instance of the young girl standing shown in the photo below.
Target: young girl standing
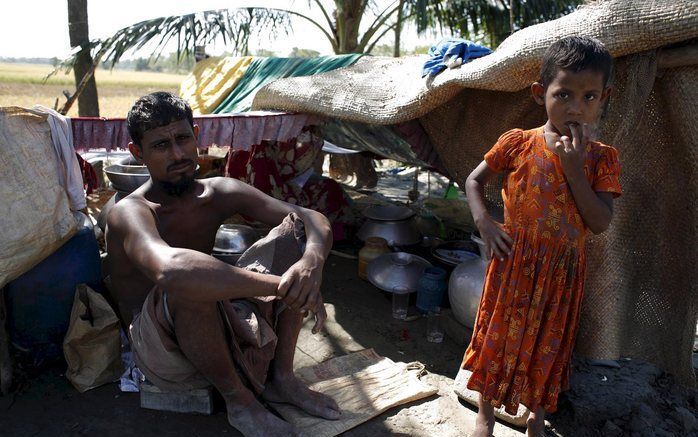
{"x": 558, "y": 184}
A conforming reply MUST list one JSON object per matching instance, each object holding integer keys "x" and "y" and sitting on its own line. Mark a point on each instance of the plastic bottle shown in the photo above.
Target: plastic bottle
{"x": 374, "y": 247}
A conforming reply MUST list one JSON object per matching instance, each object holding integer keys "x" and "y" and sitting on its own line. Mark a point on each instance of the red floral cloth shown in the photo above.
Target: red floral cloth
{"x": 529, "y": 311}
{"x": 89, "y": 176}
{"x": 283, "y": 169}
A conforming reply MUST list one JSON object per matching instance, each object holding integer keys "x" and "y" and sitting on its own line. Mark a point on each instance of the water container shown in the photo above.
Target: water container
{"x": 39, "y": 302}
{"x": 431, "y": 288}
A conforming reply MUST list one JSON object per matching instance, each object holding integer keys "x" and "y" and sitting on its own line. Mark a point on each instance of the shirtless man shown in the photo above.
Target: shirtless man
{"x": 159, "y": 239}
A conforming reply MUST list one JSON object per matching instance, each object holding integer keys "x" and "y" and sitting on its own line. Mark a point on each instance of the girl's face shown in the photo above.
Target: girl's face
{"x": 572, "y": 98}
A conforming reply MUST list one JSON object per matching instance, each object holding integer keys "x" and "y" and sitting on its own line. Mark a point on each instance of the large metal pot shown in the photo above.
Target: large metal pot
{"x": 393, "y": 223}
{"x": 465, "y": 288}
{"x": 396, "y": 271}
{"x": 232, "y": 241}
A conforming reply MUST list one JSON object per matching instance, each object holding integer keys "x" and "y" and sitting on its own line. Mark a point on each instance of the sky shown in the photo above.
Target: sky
{"x": 39, "y": 28}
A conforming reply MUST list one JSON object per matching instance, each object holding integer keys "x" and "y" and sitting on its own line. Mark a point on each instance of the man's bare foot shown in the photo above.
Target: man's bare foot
{"x": 250, "y": 417}
{"x": 290, "y": 390}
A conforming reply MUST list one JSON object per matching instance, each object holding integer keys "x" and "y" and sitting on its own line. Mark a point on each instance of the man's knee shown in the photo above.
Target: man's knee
{"x": 179, "y": 306}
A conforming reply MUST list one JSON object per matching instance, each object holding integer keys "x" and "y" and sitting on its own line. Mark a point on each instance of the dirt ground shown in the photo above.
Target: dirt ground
{"x": 635, "y": 399}
{"x": 631, "y": 399}
{"x": 360, "y": 317}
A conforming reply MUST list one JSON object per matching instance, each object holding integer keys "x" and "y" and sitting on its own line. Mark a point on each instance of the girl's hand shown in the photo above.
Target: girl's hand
{"x": 497, "y": 241}
{"x": 572, "y": 153}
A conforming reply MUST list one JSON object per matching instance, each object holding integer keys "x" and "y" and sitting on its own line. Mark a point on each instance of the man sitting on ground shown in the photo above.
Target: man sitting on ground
{"x": 199, "y": 321}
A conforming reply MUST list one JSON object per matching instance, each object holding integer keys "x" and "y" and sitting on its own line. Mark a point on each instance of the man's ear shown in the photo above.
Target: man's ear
{"x": 605, "y": 93}
{"x": 135, "y": 151}
{"x": 538, "y": 93}
{"x": 195, "y": 128}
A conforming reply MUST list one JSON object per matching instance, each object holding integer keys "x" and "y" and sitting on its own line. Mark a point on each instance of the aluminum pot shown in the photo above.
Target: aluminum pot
{"x": 234, "y": 239}
{"x": 393, "y": 223}
{"x": 465, "y": 288}
{"x": 396, "y": 271}
{"x": 229, "y": 258}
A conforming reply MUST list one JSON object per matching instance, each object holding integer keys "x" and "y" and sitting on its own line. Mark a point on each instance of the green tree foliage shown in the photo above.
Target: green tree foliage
{"x": 350, "y": 26}
{"x": 489, "y": 21}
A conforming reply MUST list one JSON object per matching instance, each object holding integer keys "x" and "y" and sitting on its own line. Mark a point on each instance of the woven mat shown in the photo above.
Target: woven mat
{"x": 382, "y": 90}
{"x": 363, "y": 383}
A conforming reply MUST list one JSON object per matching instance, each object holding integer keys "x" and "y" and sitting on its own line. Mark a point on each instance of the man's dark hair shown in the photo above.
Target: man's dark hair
{"x": 155, "y": 110}
{"x": 576, "y": 53}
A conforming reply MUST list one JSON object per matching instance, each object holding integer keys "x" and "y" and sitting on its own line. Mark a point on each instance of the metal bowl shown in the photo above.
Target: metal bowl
{"x": 234, "y": 239}
{"x": 455, "y": 252}
{"x": 396, "y": 271}
{"x": 127, "y": 177}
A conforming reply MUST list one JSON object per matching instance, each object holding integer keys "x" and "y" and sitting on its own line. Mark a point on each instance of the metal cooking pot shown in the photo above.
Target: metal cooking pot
{"x": 229, "y": 258}
{"x": 397, "y": 270}
{"x": 465, "y": 289}
{"x": 394, "y": 223}
{"x": 234, "y": 239}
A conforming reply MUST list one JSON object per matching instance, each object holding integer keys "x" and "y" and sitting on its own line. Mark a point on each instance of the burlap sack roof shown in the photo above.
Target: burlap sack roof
{"x": 382, "y": 90}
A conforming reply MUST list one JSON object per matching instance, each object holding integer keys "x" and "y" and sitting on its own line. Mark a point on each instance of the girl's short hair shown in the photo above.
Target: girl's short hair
{"x": 155, "y": 110}
{"x": 576, "y": 53}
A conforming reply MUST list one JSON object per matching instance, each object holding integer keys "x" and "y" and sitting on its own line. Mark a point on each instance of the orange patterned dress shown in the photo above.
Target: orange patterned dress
{"x": 529, "y": 311}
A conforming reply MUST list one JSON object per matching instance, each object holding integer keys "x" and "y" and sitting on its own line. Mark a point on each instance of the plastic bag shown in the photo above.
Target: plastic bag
{"x": 92, "y": 346}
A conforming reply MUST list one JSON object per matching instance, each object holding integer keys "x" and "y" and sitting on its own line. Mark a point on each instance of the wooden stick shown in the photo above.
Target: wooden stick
{"x": 5, "y": 357}
{"x": 81, "y": 86}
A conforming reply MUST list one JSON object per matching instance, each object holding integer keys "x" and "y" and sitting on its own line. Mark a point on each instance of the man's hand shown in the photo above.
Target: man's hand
{"x": 300, "y": 287}
{"x": 572, "y": 153}
{"x": 497, "y": 241}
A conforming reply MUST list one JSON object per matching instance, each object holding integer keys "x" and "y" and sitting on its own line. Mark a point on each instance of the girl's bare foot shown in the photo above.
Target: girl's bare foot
{"x": 484, "y": 426}
{"x": 484, "y": 423}
{"x": 535, "y": 425}
{"x": 290, "y": 390}
{"x": 250, "y": 417}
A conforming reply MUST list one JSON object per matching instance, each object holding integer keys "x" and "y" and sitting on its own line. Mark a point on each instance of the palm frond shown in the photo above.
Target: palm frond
{"x": 233, "y": 26}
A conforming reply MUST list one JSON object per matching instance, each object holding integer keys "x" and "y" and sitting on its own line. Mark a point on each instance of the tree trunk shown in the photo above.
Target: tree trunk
{"x": 398, "y": 30}
{"x": 88, "y": 105}
{"x": 348, "y": 16}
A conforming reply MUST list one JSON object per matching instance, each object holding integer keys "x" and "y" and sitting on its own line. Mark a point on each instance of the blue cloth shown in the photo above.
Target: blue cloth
{"x": 449, "y": 48}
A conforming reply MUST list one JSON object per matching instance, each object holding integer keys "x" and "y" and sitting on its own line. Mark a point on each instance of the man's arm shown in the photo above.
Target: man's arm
{"x": 301, "y": 283}
{"x": 187, "y": 274}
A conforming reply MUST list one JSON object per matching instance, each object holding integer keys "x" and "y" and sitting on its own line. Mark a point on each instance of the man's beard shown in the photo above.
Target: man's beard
{"x": 176, "y": 189}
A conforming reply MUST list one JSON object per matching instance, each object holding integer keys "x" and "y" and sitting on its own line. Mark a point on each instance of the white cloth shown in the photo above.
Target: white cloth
{"x": 69, "y": 173}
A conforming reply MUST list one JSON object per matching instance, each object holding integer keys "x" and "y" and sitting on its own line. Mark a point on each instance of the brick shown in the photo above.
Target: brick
{"x": 199, "y": 401}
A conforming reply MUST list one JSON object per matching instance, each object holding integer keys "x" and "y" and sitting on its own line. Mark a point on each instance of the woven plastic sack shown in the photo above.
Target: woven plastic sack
{"x": 36, "y": 217}
{"x": 92, "y": 346}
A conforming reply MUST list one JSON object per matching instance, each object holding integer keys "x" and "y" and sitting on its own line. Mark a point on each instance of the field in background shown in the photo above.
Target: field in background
{"x": 24, "y": 85}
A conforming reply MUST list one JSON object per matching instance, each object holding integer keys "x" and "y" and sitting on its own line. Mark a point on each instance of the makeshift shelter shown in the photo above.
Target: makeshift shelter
{"x": 227, "y": 85}
{"x": 641, "y": 298}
